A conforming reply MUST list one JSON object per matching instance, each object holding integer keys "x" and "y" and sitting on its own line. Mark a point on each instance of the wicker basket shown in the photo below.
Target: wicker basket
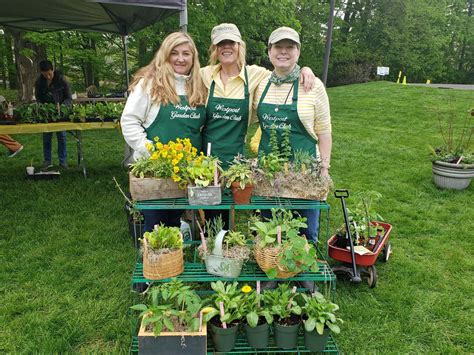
{"x": 267, "y": 258}
{"x": 167, "y": 265}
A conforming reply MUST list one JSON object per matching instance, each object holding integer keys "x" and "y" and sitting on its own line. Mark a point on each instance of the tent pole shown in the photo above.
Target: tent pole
{"x": 125, "y": 57}
{"x": 183, "y": 18}
{"x": 328, "y": 42}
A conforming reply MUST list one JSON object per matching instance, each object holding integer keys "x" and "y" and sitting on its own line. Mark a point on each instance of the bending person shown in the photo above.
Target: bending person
{"x": 12, "y": 145}
{"x": 169, "y": 87}
{"x": 51, "y": 87}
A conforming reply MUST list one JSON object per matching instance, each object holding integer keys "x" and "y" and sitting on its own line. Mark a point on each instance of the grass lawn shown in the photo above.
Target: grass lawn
{"x": 67, "y": 258}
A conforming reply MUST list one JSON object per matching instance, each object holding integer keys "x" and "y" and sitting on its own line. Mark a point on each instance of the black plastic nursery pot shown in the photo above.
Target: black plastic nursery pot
{"x": 316, "y": 342}
{"x": 286, "y": 336}
{"x": 224, "y": 339}
{"x": 258, "y": 337}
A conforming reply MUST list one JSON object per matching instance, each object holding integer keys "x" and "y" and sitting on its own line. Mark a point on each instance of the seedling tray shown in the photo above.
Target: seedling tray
{"x": 44, "y": 175}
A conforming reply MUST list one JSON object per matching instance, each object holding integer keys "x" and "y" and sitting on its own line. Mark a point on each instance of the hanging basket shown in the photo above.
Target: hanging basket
{"x": 267, "y": 258}
{"x": 162, "y": 266}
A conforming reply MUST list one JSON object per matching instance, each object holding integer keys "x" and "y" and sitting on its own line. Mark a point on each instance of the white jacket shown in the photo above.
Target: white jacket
{"x": 140, "y": 112}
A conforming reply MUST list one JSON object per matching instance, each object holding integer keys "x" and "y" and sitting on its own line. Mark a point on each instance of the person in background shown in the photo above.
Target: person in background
{"x": 51, "y": 87}
{"x": 279, "y": 99}
{"x": 231, "y": 85}
{"x": 12, "y": 145}
{"x": 169, "y": 87}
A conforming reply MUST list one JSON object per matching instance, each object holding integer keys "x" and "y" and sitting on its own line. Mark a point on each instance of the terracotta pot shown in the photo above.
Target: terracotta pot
{"x": 241, "y": 197}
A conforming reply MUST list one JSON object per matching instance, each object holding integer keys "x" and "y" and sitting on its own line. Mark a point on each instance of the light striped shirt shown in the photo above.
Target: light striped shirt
{"x": 234, "y": 88}
{"x": 312, "y": 106}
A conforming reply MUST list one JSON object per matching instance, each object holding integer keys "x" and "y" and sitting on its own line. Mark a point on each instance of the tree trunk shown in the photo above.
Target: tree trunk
{"x": 3, "y": 61}
{"x": 142, "y": 52}
{"x": 27, "y": 67}
{"x": 11, "y": 68}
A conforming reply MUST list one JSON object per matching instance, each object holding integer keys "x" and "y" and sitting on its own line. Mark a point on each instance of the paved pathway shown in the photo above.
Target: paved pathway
{"x": 447, "y": 86}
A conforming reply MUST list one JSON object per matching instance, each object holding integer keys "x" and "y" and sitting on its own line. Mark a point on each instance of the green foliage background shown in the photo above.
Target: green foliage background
{"x": 427, "y": 39}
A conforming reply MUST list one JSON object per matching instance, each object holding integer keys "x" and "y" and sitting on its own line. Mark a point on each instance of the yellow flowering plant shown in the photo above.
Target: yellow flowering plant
{"x": 168, "y": 160}
{"x": 254, "y": 307}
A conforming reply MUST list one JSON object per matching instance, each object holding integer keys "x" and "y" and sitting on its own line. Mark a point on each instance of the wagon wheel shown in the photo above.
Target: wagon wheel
{"x": 372, "y": 276}
{"x": 386, "y": 251}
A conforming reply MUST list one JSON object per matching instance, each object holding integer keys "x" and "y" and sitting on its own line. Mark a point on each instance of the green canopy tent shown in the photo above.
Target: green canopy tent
{"x": 114, "y": 16}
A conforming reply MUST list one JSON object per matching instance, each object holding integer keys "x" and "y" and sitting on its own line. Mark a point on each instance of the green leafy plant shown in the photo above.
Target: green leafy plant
{"x": 200, "y": 172}
{"x": 282, "y": 302}
{"x": 267, "y": 230}
{"x": 173, "y": 306}
{"x": 211, "y": 228}
{"x": 319, "y": 313}
{"x": 456, "y": 146}
{"x": 234, "y": 238}
{"x": 231, "y": 296}
{"x": 164, "y": 238}
{"x": 254, "y": 307}
{"x": 239, "y": 171}
{"x": 295, "y": 253}
{"x": 361, "y": 216}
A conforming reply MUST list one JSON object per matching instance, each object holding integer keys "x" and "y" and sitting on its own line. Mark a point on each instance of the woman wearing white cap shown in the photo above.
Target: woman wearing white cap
{"x": 166, "y": 101}
{"x": 279, "y": 98}
{"x": 231, "y": 85}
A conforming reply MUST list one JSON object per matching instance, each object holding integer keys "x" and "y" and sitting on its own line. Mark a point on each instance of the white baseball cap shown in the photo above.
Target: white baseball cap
{"x": 225, "y": 31}
{"x": 282, "y": 33}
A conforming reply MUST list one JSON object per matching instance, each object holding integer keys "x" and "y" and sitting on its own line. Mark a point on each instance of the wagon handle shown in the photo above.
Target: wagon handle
{"x": 341, "y": 193}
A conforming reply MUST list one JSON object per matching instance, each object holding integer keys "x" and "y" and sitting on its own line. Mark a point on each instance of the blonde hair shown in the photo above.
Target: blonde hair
{"x": 159, "y": 74}
{"x": 241, "y": 55}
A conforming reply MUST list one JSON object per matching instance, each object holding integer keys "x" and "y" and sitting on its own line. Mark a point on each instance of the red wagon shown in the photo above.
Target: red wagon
{"x": 367, "y": 260}
{"x": 351, "y": 258}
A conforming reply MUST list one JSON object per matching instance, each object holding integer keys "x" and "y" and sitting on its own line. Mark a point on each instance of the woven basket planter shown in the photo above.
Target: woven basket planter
{"x": 154, "y": 188}
{"x": 267, "y": 258}
{"x": 163, "y": 266}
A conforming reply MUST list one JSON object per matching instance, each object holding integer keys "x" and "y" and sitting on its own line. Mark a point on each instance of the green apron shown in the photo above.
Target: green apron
{"x": 178, "y": 121}
{"x": 282, "y": 116}
{"x": 226, "y": 125}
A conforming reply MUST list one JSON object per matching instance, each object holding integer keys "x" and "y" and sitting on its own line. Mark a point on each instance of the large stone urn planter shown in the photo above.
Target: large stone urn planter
{"x": 452, "y": 176}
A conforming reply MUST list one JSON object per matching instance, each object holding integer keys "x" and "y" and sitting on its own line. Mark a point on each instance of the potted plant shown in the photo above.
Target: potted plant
{"x": 171, "y": 322}
{"x": 202, "y": 174}
{"x": 362, "y": 219}
{"x": 283, "y": 172}
{"x": 283, "y": 305}
{"x": 319, "y": 320}
{"x": 226, "y": 315}
{"x": 224, "y": 252}
{"x": 239, "y": 177}
{"x": 162, "y": 253}
{"x": 161, "y": 175}
{"x": 258, "y": 318}
{"x": 279, "y": 249}
{"x": 453, "y": 160}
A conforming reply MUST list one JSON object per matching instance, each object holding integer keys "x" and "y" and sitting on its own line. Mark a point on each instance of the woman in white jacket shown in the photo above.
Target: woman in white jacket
{"x": 167, "y": 99}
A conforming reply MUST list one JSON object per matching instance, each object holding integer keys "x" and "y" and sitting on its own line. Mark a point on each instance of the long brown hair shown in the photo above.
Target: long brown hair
{"x": 159, "y": 74}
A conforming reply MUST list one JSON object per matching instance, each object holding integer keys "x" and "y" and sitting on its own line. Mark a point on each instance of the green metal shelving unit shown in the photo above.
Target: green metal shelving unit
{"x": 241, "y": 347}
{"x": 196, "y": 272}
